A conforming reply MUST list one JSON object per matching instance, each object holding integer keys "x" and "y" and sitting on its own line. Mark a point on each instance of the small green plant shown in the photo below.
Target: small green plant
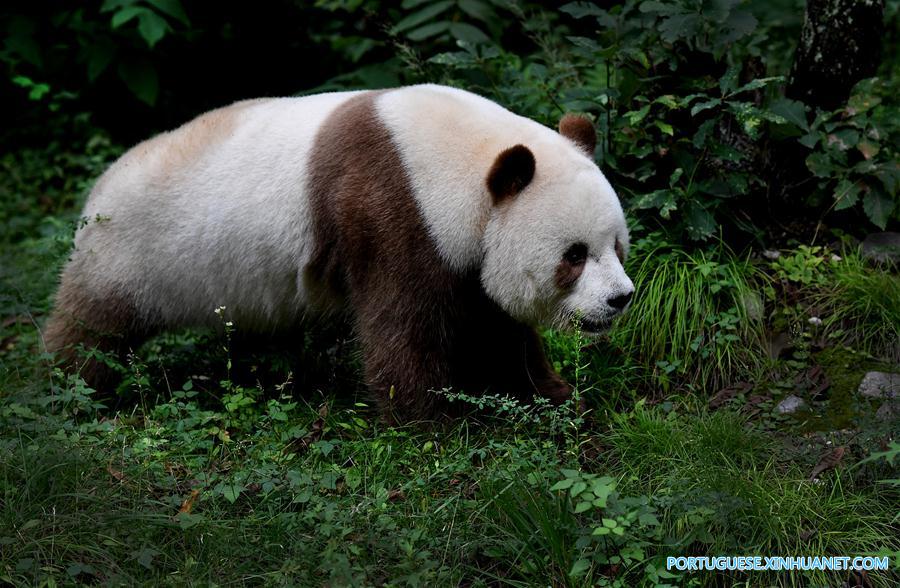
{"x": 804, "y": 266}
{"x": 696, "y": 318}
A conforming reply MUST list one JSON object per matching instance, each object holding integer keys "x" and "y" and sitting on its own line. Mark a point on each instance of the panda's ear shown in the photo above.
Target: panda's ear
{"x": 512, "y": 171}
{"x": 579, "y": 129}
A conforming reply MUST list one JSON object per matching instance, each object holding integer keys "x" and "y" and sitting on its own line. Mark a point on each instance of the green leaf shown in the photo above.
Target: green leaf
{"x": 756, "y": 84}
{"x": 667, "y": 100}
{"x": 664, "y": 200}
{"x": 868, "y": 148}
{"x": 99, "y": 56}
{"x": 478, "y": 10}
{"x": 701, "y": 106}
{"x": 231, "y": 492}
{"x": 562, "y": 484}
{"x": 740, "y": 24}
{"x": 889, "y": 176}
{"x": 324, "y": 446}
{"x": 810, "y": 140}
{"x": 863, "y": 97}
{"x": 583, "y": 9}
{"x": 602, "y": 488}
{"x": 728, "y": 81}
{"x": 700, "y": 224}
{"x": 141, "y": 78}
{"x": 846, "y": 194}
{"x": 578, "y": 488}
{"x": 664, "y": 127}
{"x": 700, "y": 137}
{"x": 820, "y": 165}
{"x": 878, "y": 207}
{"x": 636, "y": 116}
{"x": 110, "y": 5}
{"x": 662, "y": 8}
{"x": 152, "y": 28}
{"x": 579, "y": 567}
{"x": 20, "y": 39}
{"x": 843, "y": 139}
{"x": 430, "y": 30}
{"x": 171, "y": 7}
{"x": 583, "y": 506}
{"x": 426, "y": 14}
{"x": 468, "y": 33}
{"x": 679, "y": 26}
{"x": 792, "y": 111}
{"x": 126, "y": 14}
{"x": 585, "y": 43}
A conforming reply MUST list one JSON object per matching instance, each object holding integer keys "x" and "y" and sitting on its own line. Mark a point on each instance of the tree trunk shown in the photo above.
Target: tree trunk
{"x": 840, "y": 44}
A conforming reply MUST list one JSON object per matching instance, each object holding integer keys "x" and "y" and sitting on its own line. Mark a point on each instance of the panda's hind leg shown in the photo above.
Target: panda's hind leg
{"x": 83, "y": 320}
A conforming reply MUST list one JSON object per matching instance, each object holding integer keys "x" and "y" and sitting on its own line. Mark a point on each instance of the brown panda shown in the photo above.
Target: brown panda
{"x": 445, "y": 226}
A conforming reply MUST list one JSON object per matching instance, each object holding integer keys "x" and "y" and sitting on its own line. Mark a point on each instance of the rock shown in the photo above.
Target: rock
{"x": 882, "y": 247}
{"x": 888, "y": 411}
{"x": 880, "y": 385}
{"x": 790, "y": 405}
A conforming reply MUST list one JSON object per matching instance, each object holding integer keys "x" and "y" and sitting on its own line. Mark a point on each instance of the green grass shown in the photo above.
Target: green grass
{"x": 863, "y": 307}
{"x": 727, "y": 485}
{"x": 696, "y": 317}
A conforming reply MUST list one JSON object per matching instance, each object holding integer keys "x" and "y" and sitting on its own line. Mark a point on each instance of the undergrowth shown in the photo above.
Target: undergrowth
{"x": 696, "y": 317}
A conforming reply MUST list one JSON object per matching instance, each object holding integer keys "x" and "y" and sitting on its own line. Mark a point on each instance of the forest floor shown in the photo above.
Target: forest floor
{"x": 220, "y": 464}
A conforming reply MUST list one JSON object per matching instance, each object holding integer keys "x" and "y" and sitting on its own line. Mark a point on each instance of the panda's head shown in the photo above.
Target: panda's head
{"x": 556, "y": 237}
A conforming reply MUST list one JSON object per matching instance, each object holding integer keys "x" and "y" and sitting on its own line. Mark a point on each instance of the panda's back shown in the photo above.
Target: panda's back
{"x": 212, "y": 213}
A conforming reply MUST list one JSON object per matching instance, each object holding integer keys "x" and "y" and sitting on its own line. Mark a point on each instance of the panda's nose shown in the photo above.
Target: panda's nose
{"x": 621, "y": 301}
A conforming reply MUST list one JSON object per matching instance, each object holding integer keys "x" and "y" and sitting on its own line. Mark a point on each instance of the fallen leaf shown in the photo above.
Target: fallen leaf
{"x": 188, "y": 503}
{"x": 726, "y": 394}
{"x": 314, "y": 434}
{"x": 829, "y": 461}
{"x": 115, "y": 473}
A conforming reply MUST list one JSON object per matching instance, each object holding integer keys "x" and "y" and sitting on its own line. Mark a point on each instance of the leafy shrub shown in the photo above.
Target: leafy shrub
{"x": 856, "y": 150}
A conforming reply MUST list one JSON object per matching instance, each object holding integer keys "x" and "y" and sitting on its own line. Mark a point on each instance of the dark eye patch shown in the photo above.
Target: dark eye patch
{"x": 576, "y": 254}
{"x": 620, "y": 252}
{"x": 571, "y": 265}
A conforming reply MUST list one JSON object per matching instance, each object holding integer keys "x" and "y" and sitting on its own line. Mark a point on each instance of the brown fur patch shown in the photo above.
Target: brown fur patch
{"x": 620, "y": 252}
{"x": 512, "y": 170}
{"x": 108, "y": 322}
{"x": 580, "y": 129}
{"x": 421, "y": 327}
{"x": 567, "y": 273}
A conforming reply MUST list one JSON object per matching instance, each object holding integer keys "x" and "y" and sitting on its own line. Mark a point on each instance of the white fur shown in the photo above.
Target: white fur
{"x": 526, "y": 239}
{"x": 229, "y": 227}
{"x": 186, "y": 226}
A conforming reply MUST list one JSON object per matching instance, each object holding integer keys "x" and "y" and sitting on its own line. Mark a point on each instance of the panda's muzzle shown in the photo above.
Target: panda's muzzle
{"x": 594, "y": 326}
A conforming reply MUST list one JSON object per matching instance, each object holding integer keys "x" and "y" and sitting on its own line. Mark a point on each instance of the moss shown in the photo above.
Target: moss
{"x": 845, "y": 369}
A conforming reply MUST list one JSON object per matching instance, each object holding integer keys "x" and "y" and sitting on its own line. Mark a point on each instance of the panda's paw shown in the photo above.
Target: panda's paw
{"x": 556, "y": 390}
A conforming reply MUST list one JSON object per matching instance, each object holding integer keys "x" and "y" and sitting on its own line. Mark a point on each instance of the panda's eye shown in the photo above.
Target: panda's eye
{"x": 576, "y": 254}
{"x": 620, "y": 252}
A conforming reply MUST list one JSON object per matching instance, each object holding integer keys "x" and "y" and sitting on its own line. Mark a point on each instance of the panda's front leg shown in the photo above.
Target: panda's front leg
{"x": 546, "y": 381}
{"x": 507, "y": 357}
{"x": 405, "y": 359}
